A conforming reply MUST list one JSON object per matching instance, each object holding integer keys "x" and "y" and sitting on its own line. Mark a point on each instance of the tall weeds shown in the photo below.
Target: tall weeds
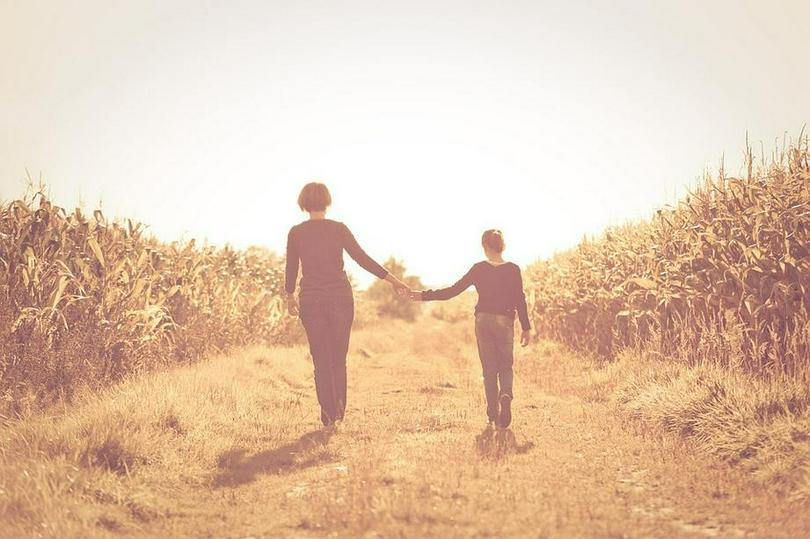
{"x": 724, "y": 276}
{"x": 85, "y": 300}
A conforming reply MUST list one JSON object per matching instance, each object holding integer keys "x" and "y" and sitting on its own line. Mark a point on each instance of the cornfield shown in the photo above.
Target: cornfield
{"x": 722, "y": 276}
{"x": 87, "y": 300}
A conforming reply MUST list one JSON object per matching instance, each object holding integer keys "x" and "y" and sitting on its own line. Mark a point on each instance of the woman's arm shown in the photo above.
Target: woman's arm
{"x": 522, "y": 311}
{"x": 359, "y": 255}
{"x": 369, "y": 264}
{"x": 451, "y": 291}
{"x": 291, "y": 275}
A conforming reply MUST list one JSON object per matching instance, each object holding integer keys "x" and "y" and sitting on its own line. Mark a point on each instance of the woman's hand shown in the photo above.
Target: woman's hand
{"x": 525, "y": 337}
{"x": 292, "y": 305}
{"x": 401, "y": 288}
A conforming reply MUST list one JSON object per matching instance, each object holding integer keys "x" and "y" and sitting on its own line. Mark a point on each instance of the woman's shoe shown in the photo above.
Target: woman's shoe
{"x": 505, "y": 417}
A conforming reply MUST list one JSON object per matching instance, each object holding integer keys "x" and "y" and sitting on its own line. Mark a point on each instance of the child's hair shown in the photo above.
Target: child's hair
{"x": 314, "y": 197}
{"x": 493, "y": 240}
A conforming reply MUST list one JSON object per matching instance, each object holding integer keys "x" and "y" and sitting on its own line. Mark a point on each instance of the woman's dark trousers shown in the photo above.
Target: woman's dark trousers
{"x": 495, "y": 334}
{"x": 328, "y": 323}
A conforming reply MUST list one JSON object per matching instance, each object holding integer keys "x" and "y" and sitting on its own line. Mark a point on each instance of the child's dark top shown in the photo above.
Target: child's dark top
{"x": 500, "y": 290}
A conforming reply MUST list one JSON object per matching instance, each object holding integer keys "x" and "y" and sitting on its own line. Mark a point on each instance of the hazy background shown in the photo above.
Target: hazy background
{"x": 430, "y": 121}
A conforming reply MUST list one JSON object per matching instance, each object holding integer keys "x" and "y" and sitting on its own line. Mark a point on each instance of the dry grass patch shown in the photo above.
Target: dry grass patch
{"x": 113, "y": 461}
{"x": 760, "y": 424}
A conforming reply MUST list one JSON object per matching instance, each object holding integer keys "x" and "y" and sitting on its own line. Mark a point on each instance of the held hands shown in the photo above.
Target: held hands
{"x": 401, "y": 288}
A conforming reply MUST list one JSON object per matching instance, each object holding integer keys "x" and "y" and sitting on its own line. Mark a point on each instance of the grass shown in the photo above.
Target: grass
{"x": 760, "y": 425}
{"x": 101, "y": 462}
{"x": 231, "y": 447}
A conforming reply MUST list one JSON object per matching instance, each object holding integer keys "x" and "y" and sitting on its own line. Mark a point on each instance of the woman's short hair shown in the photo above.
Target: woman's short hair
{"x": 493, "y": 240}
{"x": 314, "y": 197}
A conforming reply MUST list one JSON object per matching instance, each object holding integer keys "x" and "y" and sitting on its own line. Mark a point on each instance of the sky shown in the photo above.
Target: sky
{"x": 429, "y": 121}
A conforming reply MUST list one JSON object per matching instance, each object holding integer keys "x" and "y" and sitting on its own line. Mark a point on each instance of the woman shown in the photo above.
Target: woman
{"x": 326, "y": 304}
{"x": 500, "y": 295}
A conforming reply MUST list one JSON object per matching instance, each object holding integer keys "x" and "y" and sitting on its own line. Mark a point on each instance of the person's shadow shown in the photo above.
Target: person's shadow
{"x": 236, "y": 469}
{"x": 496, "y": 444}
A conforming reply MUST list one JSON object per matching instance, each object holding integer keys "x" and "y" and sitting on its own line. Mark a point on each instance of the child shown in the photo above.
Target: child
{"x": 500, "y": 295}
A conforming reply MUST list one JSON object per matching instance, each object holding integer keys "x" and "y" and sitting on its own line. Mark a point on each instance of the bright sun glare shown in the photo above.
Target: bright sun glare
{"x": 430, "y": 124}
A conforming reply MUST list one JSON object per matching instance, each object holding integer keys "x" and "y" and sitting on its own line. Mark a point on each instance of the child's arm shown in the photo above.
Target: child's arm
{"x": 442, "y": 294}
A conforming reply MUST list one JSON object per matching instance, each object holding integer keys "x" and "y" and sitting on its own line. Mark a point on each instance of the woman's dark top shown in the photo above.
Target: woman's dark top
{"x": 319, "y": 245}
{"x": 500, "y": 290}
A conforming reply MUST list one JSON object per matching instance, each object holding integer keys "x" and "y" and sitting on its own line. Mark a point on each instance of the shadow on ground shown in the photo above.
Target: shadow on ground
{"x": 496, "y": 444}
{"x": 309, "y": 450}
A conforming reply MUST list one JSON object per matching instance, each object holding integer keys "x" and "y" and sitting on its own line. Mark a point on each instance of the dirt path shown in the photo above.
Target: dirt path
{"x": 413, "y": 460}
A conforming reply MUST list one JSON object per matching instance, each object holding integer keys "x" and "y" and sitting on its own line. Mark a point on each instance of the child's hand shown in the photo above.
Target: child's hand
{"x": 525, "y": 337}
{"x": 415, "y": 295}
